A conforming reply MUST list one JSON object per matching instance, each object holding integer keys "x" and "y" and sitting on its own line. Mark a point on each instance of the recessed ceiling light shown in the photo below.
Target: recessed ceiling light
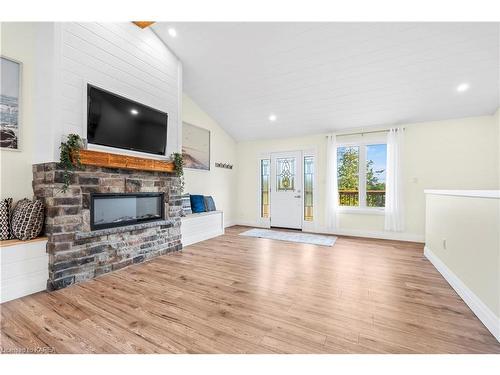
{"x": 172, "y": 32}
{"x": 272, "y": 117}
{"x": 134, "y": 111}
{"x": 463, "y": 87}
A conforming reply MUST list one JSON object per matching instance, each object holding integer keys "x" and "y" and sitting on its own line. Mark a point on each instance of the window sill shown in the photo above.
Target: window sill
{"x": 361, "y": 210}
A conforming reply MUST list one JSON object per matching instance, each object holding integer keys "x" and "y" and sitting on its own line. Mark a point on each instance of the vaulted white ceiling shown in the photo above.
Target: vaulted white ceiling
{"x": 319, "y": 77}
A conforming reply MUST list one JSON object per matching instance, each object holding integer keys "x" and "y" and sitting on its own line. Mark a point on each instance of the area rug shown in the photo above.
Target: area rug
{"x": 313, "y": 239}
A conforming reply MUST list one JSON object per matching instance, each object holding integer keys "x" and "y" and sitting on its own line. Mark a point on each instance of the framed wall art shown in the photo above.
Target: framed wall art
{"x": 10, "y": 95}
{"x": 195, "y": 147}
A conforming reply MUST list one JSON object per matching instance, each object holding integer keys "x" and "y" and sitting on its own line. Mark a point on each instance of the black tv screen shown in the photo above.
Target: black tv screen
{"x": 123, "y": 123}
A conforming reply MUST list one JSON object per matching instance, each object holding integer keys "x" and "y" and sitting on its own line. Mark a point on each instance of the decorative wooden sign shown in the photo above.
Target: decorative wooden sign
{"x": 224, "y": 165}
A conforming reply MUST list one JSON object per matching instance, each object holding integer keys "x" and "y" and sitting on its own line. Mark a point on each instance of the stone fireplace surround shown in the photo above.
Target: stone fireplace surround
{"x": 75, "y": 252}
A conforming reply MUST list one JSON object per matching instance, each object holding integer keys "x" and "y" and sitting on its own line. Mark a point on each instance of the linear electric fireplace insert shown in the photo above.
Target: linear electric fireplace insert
{"x": 115, "y": 210}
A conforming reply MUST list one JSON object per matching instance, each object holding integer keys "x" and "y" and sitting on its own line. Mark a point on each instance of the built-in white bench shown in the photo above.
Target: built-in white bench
{"x": 201, "y": 226}
{"x": 24, "y": 267}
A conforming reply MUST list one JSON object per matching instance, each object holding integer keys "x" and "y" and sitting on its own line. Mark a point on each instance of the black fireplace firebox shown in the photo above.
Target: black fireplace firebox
{"x": 115, "y": 210}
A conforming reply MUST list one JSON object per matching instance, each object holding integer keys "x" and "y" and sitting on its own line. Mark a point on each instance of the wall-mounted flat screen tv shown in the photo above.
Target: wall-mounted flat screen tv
{"x": 115, "y": 121}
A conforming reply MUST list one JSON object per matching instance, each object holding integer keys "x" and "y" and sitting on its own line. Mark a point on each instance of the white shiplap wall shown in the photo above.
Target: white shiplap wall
{"x": 123, "y": 59}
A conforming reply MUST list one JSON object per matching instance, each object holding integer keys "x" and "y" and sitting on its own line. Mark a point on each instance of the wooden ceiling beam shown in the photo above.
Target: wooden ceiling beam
{"x": 143, "y": 24}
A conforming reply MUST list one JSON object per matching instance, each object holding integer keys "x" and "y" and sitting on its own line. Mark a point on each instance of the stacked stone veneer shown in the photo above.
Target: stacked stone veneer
{"x": 75, "y": 252}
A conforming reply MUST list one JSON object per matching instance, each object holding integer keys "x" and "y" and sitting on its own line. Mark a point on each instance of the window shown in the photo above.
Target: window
{"x": 361, "y": 187}
{"x": 376, "y": 159}
{"x": 348, "y": 175}
{"x": 308, "y": 187}
{"x": 285, "y": 174}
{"x": 265, "y": 166}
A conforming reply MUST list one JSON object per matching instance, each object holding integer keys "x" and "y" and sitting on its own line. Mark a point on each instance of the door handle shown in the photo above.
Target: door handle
{"x": 297, "y": 196}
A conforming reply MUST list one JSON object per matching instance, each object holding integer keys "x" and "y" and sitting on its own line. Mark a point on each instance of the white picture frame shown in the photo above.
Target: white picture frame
{"x": 196, "y": 147}
{"x": 11, "y": 71}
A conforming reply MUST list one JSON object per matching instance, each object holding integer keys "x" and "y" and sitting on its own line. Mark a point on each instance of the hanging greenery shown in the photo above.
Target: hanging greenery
{"x": 69, "y": 158}
{"x": 179, "y": 167}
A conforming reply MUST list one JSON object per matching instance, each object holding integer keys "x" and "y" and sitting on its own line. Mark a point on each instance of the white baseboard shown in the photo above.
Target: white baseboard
{"x": 250, "y": 224}
{"x": 398, "y": 236}
{"x": 228, "y": 224}
{"x": 485, "y": 315}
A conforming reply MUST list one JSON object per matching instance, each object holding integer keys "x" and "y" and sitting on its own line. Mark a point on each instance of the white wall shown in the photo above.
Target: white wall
{"x": 46, "y": 89}
{"x": 121, "y": 58}
{"x": 59, "y": 59}
{"x": 462, "y": 241}
{"x": 248, "y": 208}
{"x": 17, "y": 42}
{"x": 452, "y": 154}
{"x": 218, "y": 182}
{"x": 496, "y": 119}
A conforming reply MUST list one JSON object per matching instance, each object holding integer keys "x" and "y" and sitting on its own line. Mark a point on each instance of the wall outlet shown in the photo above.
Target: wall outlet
{"x": 444, "y": 244}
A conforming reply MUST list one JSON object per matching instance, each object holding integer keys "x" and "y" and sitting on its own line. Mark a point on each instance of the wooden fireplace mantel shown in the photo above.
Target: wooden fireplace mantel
{"x": 106, "y": 159}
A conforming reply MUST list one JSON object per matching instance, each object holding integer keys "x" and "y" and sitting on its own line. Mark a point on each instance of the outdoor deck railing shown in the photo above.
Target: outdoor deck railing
{"x": 374, "y": 198}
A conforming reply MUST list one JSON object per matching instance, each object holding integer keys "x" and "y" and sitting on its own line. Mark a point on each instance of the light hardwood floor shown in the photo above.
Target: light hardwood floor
{"x": 236, "y": 294}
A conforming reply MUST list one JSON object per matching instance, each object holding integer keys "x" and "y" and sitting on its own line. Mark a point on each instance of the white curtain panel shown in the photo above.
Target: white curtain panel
{"x": 394, "y": 209}
{"x": 332, "y": 192}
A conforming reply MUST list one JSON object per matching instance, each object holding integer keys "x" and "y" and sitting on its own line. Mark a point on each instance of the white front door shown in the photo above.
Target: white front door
{"x": 286, "y": 189}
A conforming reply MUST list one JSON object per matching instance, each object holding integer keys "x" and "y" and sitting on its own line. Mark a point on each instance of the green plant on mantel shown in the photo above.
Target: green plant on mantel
{"x": 179, "y": 167}
{"x": 69, "y": 159}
